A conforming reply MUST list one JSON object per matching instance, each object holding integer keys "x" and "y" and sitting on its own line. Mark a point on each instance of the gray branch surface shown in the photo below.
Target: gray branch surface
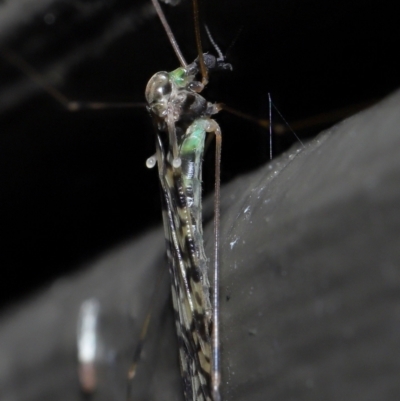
{"x": 310, "y": 284}
{"x": 26, "y": 20}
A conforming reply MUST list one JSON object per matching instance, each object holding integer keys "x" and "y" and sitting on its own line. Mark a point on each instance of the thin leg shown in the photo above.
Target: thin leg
{"x": 58, "y": 96}
{"x": 203, "y": 69}
{"x": 215, "y": 374}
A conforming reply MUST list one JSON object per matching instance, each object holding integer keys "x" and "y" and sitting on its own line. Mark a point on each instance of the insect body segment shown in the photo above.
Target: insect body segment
{"x": 182, "y": 117}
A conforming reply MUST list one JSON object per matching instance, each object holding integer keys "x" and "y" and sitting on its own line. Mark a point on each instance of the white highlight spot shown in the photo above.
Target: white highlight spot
{"x": 87, "y": 330}
{"x": 176, "y": 163}
{"x": 233, "y": 243}
{"x": 151, "y": 161}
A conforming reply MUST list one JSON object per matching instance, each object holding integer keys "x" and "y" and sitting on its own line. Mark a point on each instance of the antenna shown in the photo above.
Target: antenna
{"x": 216, "y": 47}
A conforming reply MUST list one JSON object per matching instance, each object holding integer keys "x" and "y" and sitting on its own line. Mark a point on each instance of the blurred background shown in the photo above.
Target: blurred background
{"x": 73, "y": 185}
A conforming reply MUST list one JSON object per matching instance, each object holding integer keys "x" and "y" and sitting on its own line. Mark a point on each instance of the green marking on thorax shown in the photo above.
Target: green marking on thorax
{"x": 180, "y": 77}
{"x": 195, "y": 136}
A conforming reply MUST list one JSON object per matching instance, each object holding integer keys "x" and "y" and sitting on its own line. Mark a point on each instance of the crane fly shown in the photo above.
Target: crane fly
{"x": 182, "y": 118}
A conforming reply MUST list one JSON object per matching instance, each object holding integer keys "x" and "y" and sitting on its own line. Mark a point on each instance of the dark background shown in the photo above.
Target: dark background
{"x": 74, "y": 184}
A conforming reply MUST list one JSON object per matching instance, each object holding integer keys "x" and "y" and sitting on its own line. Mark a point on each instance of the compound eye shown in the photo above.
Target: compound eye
{"x": 158, "y": 88}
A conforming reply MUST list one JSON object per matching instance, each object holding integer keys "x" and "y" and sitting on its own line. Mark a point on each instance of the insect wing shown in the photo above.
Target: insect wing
{"x": 191, "y": 319}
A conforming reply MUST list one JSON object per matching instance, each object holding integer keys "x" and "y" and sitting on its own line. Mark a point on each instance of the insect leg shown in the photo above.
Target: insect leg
{"x": 216, "y": 373}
